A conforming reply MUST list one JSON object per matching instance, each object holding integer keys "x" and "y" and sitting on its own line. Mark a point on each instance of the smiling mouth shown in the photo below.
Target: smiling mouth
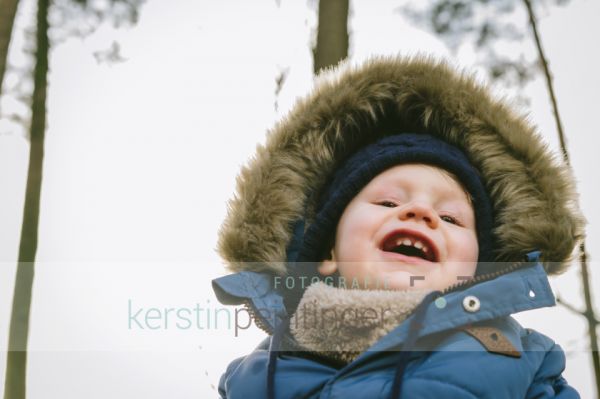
{"x": 410, "y": 244}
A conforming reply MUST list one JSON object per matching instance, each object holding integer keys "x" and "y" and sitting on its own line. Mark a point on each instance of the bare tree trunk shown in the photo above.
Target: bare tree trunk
{"x": 8, "y": 10}
{"x": 16, "y": 367}
{"x": 332, "y": 34}
{"x": 589, "y": 309}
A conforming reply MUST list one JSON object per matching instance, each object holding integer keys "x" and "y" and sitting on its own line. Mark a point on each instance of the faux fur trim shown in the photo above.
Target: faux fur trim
{"x": 532, "y": 192}
{"x": 340, "y": 323}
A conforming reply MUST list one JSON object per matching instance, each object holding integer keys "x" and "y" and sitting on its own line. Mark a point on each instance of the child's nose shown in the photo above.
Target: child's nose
{"x": 418, "y": 212}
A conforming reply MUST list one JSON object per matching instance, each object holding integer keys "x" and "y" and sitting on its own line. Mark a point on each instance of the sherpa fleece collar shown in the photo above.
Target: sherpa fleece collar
{"x": 528, "y": 287}
{"x": 340, "y": 323}
{"x": 534, "y": 201}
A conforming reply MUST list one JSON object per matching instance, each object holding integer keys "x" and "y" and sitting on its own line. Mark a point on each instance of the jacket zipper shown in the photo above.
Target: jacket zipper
{"x": 484, "y": 277}
{"x": 256, "y": 317}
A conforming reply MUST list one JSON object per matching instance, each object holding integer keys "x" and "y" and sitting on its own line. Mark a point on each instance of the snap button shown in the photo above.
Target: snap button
{"x": 471, "y": 303}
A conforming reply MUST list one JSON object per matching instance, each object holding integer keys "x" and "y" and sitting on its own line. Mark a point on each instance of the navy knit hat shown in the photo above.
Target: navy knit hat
{"x": 375, "y": 158}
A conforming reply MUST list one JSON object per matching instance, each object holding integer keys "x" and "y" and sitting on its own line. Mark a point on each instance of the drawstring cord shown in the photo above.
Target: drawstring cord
{"x": 413, "y": 333}
{"x": 273, "y": 353}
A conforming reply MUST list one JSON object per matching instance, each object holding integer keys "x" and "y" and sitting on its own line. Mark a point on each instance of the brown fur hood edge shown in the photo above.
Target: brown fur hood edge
{"x": 533, "y": 194}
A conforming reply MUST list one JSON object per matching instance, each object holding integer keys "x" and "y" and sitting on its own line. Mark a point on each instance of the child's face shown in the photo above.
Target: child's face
{"x": 411, "y": 223}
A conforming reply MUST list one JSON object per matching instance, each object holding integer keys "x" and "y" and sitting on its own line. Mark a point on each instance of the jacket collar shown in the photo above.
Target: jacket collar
{"x": 340, "y": 323}
{"x": 524, "y": 289}
{"x": 257, "y": 292}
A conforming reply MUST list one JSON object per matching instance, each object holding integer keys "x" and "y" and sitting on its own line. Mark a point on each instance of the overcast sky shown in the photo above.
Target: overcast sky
{"x": 141, "y": 157}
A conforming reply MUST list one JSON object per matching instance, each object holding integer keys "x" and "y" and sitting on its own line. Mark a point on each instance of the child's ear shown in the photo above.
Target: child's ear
{"x": 328, "y": 266}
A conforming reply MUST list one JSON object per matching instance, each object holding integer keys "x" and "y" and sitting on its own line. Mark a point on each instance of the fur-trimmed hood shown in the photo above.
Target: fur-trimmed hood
{"x": 533, "y": 194}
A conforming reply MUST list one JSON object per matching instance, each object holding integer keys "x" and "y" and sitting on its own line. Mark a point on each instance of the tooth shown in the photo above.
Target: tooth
{"x": 425, "y": 249}
{"x": 406, "y": 242}
{"x": 418, "y": 244}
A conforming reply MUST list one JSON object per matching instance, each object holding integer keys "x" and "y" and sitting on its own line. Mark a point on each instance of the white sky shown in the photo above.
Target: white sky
{"x": 141, "y": 157}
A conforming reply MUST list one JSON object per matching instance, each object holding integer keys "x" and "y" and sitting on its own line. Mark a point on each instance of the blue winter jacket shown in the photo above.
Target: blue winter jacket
{"x": 446, "y": 362}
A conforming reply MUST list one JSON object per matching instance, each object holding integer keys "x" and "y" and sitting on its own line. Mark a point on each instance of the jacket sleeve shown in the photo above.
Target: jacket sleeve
{"x": 548, "y": 381}
{"x": 232, "y": 366}
{"x": 264, "y": 345}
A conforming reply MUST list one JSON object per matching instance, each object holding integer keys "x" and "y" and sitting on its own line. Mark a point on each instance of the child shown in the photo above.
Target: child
{"x": 385, "y": 234}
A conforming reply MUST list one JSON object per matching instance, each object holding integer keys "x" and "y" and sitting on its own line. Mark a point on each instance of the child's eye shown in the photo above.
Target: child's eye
{"x": 450, "y": 219}
{"x": 387, "y": 204}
